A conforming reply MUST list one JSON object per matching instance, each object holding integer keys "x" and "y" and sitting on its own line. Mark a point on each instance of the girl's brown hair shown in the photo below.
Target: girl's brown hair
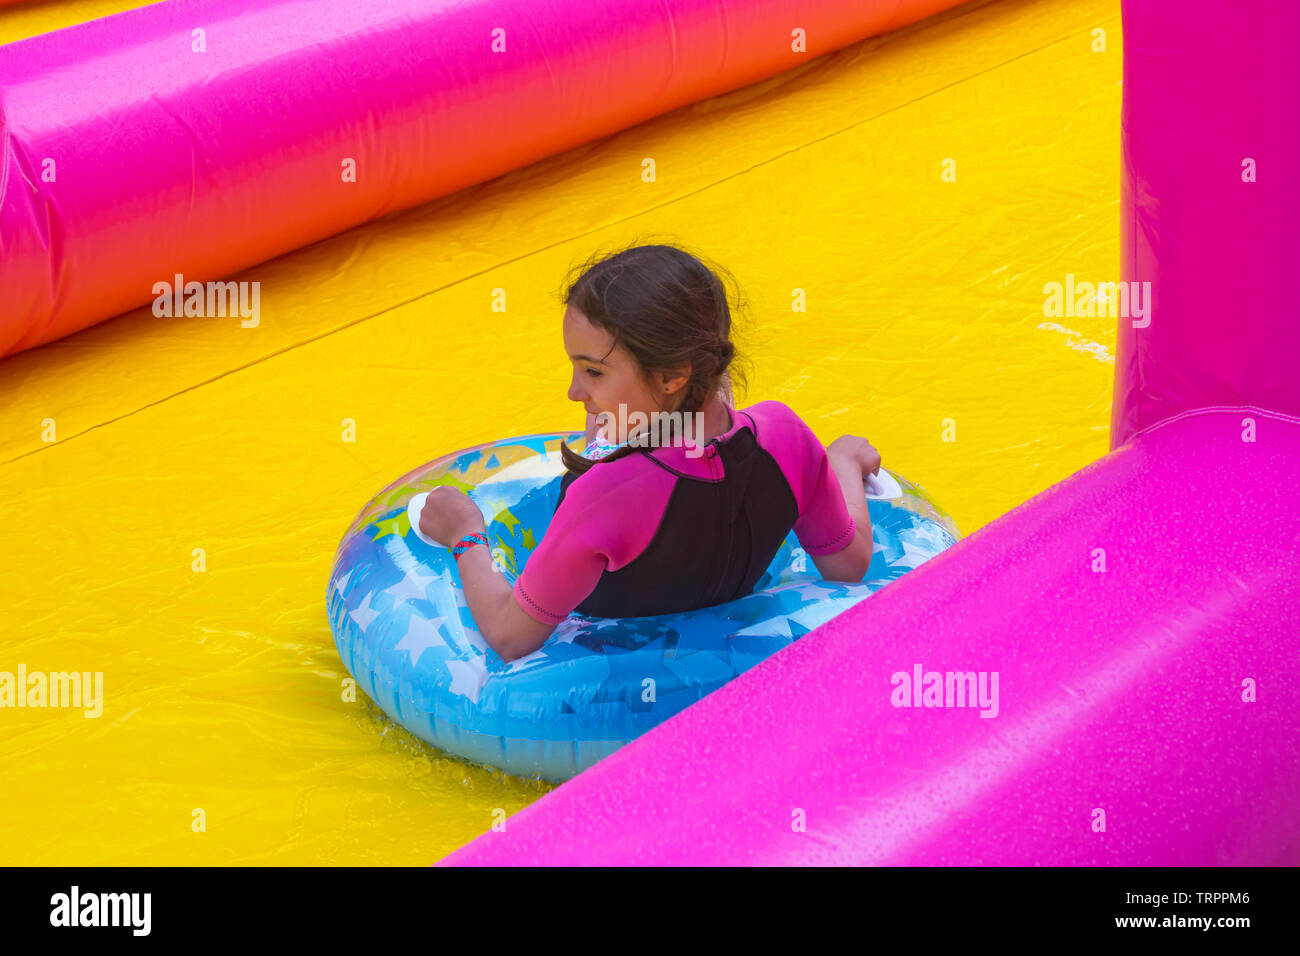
{"x": 667, "y": 308}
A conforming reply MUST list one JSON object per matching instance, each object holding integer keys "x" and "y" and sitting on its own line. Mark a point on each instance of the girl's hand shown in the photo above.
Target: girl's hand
{"x": 448, "y": 515}
{"x": 859, "y": 451}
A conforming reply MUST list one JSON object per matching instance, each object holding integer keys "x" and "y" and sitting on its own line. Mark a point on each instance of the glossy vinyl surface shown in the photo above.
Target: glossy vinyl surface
{"x": 381, "y": 347}
{"x": 196, "y": 139}
{"x": 1143, "y": 617}
{"x": 1210, "y": 197}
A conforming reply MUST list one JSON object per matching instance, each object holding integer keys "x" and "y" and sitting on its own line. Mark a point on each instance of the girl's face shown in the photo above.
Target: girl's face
{"x": 606, "y": 377}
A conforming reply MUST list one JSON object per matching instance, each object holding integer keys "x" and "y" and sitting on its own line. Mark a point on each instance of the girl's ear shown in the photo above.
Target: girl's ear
{"x": 673, "y": 382}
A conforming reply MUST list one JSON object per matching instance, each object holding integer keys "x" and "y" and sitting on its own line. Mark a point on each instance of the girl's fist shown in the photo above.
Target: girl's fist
{"x": 857, "y": 450}
{"x": 448, "y": 515}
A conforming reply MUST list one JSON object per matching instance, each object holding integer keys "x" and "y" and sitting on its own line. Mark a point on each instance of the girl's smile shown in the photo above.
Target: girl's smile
{"x": 606, "y": 377}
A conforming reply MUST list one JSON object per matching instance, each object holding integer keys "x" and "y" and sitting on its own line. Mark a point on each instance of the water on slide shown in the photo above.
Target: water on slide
{"x": 175, "y": 440}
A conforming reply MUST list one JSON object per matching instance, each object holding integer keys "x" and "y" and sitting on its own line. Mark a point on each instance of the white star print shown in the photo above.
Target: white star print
{"x": 914, "y": 555}
{"x": 341, "y": 582}
{"x": 421, "y": 634}
{"x": 363, "y": 613}
{"x": 412, "y": 586}
{"x": 567, "y": 630}
{"x": 467, "y": 677}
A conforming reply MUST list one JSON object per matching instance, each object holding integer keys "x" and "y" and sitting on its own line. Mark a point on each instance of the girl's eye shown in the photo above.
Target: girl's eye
{"x": 593, "y": 373}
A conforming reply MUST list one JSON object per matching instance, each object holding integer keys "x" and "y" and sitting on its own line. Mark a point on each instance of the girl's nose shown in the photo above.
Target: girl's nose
{"x": 576, "y": 394}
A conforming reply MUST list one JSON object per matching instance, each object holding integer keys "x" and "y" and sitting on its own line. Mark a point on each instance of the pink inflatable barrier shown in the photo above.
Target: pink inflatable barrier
{"x": 203, "y": 137}
{"x": 1116, "y": 663}
{"x": 1126, "y": 613}
{"x": 1211, "y": 191}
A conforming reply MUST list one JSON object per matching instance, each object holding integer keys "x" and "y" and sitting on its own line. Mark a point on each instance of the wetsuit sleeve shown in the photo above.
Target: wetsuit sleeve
{"x": 824, "y": 524}
{"x": 565, "y": 567}
{"x": 607, "y": 519}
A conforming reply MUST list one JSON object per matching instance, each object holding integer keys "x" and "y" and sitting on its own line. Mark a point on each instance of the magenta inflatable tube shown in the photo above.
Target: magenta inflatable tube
{"x": 1135, "y": 695}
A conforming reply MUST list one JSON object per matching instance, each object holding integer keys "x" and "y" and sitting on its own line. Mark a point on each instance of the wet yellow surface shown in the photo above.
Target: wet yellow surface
{"x": 27, "y": 18}
{"x": 197, "y": 442}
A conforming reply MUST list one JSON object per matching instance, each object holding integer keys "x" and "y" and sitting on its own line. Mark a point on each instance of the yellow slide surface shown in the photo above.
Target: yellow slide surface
{"x": 172, "y": 490}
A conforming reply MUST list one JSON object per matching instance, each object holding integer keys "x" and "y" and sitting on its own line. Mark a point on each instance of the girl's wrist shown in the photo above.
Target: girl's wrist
{"x": 474, "y": 524}
{"x": 839, "y": 461}
{"x": 467, "y": 541}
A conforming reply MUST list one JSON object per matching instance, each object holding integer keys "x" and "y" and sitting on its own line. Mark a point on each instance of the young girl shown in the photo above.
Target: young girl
{"x": 668, "y": 519}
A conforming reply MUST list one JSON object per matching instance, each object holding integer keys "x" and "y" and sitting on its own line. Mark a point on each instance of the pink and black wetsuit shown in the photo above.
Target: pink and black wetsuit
{"x": 659, "y": 532}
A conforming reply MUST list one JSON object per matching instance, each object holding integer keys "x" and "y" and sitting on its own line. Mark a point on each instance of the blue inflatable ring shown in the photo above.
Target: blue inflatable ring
{"x": 404, "y": 631}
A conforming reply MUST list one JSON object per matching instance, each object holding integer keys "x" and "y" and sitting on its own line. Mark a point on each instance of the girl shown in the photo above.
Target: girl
{"x": 672, "y": 518}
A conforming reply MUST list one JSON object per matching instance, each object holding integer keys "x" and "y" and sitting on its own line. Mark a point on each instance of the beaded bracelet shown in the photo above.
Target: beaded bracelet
{"x": 467, "y": 542}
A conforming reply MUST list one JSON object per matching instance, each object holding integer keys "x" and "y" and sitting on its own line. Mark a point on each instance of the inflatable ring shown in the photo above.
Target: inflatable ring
{"x": 404, "y": 631}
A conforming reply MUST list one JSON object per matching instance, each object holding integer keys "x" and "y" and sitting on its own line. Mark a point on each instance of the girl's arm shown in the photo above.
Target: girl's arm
{"x": 449, "y": 515}
{"x": 851, "y": 459}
